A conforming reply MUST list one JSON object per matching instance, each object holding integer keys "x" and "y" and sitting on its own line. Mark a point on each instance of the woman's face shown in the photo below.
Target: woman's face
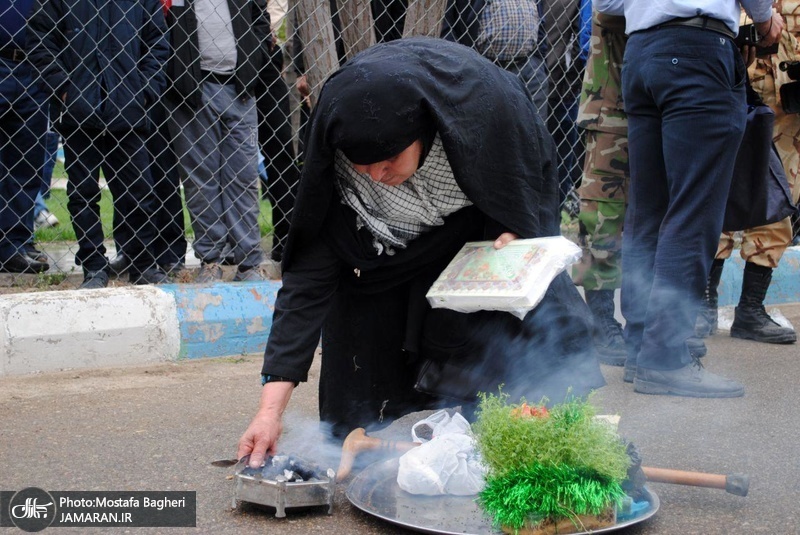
{"x": 395, "y": 170}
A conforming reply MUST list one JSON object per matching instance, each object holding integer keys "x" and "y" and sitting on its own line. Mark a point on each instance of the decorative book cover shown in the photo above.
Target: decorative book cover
{"x": 513, "y": 278}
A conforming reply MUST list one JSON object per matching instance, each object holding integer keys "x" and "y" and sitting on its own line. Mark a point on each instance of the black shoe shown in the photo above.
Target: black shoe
{"x": 228, "y": 258}
{"x": 119, "y": 264}
{"x": 35, "y": 254}
{"x": 93, "y": 280}
{"x": 606, "y": 330}
{"x": 148, "y": 276}
{"x": 20, "y": 263}
{"x": 629, "y": 374}
{"x": 691, "y": 380}
{"x": 756, "y": 324}
{"x": 750, "y": 320}
{"x": 172, "y": 269}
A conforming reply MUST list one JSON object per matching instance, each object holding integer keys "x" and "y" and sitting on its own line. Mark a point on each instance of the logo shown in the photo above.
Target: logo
{"x": 32, "y": 509}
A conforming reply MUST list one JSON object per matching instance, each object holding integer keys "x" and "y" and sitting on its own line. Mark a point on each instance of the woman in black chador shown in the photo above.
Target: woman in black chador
{"x": 415, "y": 147}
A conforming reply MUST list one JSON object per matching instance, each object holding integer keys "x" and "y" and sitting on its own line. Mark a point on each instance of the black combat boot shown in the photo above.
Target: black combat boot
{"x": 708, "y": 316}
{"x": 751, "y": 320}
{"x": 606, "y": 331}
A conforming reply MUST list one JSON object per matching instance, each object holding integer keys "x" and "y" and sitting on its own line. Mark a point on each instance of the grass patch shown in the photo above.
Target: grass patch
{"x": 57, "y": 204}
{"x": 45, "y": 280}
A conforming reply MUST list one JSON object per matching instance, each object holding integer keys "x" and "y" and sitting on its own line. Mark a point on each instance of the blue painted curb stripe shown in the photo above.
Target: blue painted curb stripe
{"x": 234, "y": 318}
{"x": 223, "y": 319}
{"x": 785, "y": 287}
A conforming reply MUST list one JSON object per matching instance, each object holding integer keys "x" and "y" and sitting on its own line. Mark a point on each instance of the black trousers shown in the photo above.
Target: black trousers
{"x": 124, "y": 162}
{"x": 169, "y": 243}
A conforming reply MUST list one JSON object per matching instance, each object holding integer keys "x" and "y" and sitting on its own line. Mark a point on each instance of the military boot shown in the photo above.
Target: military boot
{"x": 708, "y": 316}
{"x": 606, "y": 330}
{"x": 751, "y": 320}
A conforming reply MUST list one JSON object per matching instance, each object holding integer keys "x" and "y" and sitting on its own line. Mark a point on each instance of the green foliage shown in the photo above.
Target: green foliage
{"x": 569, "y": 436}
{"x": 554, "y": 463}
{"x": 537, "y": 492}
{"x": 45, "y": 280}
{"x": 57, "y": 204}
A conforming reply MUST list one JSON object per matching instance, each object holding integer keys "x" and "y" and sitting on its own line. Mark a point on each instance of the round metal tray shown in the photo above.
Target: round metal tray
{"x": 375, "y": 491}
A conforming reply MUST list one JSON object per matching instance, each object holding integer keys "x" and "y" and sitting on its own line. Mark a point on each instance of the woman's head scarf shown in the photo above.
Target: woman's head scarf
{"x": 392, "y": 94}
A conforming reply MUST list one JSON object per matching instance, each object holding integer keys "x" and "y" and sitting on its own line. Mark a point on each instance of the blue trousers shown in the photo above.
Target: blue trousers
{"x": 23, "y": 124}
{"x": 684, "y": 93}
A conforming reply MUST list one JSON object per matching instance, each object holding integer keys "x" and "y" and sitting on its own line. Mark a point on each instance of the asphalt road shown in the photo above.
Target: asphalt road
{"x": 159, "y": 427}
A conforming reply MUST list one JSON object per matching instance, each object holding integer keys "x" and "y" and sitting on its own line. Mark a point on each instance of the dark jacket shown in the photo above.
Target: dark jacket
{"x": 250, "y": 28}
{"x": 108, "y": 59}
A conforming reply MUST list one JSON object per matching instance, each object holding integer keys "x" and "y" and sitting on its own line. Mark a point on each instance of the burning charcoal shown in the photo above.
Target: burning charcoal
{"x": 291, "y": 476}
{"x": 304, "y": 469}
{"x": 269, "y": 472}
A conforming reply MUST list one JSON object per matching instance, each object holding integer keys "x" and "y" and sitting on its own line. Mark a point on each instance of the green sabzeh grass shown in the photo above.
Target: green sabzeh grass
{"x": 544, "y": 463}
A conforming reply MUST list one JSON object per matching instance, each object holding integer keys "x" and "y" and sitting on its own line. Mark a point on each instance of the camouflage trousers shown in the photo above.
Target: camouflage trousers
{"x": 603, "y": 193}
{"x": 764, "y": 246}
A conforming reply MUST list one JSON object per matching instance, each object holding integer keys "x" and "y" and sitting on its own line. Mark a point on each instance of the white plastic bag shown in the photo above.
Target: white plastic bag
{"x": 444, "y": 465}
{"x": 440, "y": 422}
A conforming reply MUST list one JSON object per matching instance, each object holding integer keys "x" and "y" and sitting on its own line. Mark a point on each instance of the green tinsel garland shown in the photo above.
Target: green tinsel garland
{"x": 537, "y": 492}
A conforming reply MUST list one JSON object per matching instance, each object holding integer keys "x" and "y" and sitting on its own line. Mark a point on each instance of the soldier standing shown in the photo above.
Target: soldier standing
{"x": 762, "y": 247}
{"x": 604, "y": 187}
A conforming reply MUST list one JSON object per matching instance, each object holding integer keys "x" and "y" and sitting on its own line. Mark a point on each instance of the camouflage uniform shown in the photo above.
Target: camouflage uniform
{"x": 764, "y": 246}
{"x": 604, "y": 187}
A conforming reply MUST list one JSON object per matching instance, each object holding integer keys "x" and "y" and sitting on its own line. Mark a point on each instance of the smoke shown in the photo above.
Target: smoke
{"x": 549, "y": 354}
{"x": 306, "y": 437}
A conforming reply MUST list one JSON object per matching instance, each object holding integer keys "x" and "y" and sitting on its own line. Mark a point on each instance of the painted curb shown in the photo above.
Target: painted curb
{"x": 223, "y": 319}
{"x": 51, "y": 331}
{"x": 785, "y": 286}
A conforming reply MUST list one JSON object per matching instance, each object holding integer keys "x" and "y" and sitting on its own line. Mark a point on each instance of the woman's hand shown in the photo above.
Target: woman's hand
{"x": 261, "y": 437}
{"x": 504, "y": 239}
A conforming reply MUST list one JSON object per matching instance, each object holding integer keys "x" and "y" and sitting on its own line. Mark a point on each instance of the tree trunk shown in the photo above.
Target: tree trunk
{"x": 424, "y": 17}
{"x": 358, "y": 32}
{"x": 319, "y": 49}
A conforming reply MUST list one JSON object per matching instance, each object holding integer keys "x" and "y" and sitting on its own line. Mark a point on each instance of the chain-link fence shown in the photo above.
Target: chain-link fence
{"x": 126, "y": 134}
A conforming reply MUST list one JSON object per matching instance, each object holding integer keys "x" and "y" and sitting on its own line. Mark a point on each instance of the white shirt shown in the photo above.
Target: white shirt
{"x": 643, "y": 14}
{"x": 215, "y": 36}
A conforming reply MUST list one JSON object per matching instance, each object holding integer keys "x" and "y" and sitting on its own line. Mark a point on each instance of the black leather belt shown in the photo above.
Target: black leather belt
{"x": 702, "y": 22}
{"x": 217, "y": 78}
{"x": 14, "y": 54}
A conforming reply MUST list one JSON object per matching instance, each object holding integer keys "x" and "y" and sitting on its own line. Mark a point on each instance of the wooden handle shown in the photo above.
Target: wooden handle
{"x": 737, "y": 484}
{"x": 680, "y": 477}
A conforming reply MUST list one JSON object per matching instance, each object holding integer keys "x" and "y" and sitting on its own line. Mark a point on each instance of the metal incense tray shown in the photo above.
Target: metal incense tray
{"x": 270, "y": 487}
